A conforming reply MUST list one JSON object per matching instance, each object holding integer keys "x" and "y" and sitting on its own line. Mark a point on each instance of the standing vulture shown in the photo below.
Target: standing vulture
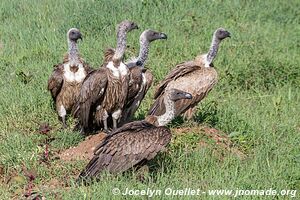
{"x": 67, "y": 77}
{"x": 134, "y": 142}
{"x": 104, "y": 91}
{"x": 140, "y": 78}
{"x": 196, "y": 77}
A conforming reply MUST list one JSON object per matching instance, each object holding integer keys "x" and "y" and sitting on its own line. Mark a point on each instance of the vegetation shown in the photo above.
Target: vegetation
{"x": 256, "y": 103}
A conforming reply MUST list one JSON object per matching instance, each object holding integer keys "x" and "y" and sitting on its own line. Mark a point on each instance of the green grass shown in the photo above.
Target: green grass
{"x": 256, "y": 101}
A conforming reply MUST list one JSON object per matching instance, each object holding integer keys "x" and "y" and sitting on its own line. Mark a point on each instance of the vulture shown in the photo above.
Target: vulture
{"x": 196, "y": 77}
{"x": 140, "y": 78}
{"x": 104, "y": 91}
{"x": 67, "y": 77}
{"x": 135, "y": 142}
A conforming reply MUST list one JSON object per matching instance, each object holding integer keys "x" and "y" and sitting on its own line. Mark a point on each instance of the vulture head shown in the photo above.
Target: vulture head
{"x": 221, "y": 33}
{"x": 74, "y": 34}
{"x": 151, "y": 35}
{"x": 176, "y": 94}
{"x": 127, "y": 26}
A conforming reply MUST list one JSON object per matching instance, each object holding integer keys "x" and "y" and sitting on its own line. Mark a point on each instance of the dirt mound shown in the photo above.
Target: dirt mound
{"x": 212, "y": 138}
{"x": 84, "y": 150}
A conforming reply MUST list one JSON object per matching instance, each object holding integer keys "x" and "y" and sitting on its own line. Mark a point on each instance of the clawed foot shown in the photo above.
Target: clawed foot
{"x": 107, "y": 131}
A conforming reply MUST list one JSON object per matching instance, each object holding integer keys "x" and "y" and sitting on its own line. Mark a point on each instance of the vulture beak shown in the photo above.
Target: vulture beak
{"x": 80, "y": 36}
{"x": 136, "y": 26}
{"x": 229, "y": 35}
{"x": 163, "y": 36}
{"x": 188, "y": 96}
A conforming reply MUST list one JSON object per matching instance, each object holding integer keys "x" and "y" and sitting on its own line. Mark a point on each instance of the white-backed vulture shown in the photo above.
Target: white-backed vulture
{"x": 104, "y": 91}
{"x": 134, "y": 142}
{"x": 196, "y": 77}
{"x": 140, "y": 77}
{"x": 67, "y": 77}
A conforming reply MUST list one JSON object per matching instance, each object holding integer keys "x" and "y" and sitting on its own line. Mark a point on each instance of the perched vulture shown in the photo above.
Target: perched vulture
{"x": 104, "y": 91}
{"x": 135, "y": 142}
{"x": 140, "y": 78}
{"x": 196, "y": 77}
{"x": 67, "y": 77}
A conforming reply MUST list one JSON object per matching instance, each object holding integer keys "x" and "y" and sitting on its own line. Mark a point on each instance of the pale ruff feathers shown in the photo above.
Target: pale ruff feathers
{"x": 74, "y": 77}
{"x": 122, "y": 70}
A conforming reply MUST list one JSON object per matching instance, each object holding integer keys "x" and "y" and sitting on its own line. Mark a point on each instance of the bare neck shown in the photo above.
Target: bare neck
{"x": 144, "y": 50}
{"x": 143, "y": 54}
{"x": 73, "y": 52}
{"x": 121, "y": 46}
{"x": 169, "y": 114}
{"x": 212, "y": 53}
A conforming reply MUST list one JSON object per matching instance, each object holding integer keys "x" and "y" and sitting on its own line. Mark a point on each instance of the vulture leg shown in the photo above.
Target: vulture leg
{"x": 105, "y": 116}
{"x": 62, "y": 114}
{"x": 114, "y": 123}
{"x": 116, "y": 115}
{"x": 105, "y": 124}
{"x": 63, "y": 119}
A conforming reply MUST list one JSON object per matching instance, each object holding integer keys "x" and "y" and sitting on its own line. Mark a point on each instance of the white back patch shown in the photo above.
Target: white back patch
{"x": 144, "y": 79}
{"x": 114, "y": 70}
{"x": 206, "y": 63}
{"x": 121, "y": 70}
{"x": 71, "y": 76}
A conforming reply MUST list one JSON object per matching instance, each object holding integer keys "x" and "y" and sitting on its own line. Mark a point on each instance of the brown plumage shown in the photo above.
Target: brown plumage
{"x": 140, "y": 77}
{"x": 67, "y": 77}
{"x": 196, "y": 77}
{"x": 133, "y": 143}
{"x": 104, "y": 91}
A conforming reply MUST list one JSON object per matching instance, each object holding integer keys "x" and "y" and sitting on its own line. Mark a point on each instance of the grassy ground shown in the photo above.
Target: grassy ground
{"x": 256, "y": 102}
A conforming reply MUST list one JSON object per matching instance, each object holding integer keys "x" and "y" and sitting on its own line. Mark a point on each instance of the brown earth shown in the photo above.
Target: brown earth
{"x": 84, "y": 150}
{"x": 222, "y": 143}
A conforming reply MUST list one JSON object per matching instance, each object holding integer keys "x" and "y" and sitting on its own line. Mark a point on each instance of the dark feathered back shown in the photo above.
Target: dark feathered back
{"x": 126, "y": 147}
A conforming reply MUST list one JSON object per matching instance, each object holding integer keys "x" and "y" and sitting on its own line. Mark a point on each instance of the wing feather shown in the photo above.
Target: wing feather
{"x": 142, "y": 143}
{"x": 180, "y": 70}
{"x": 91, "y": 92}
{"x": 56, "y": 80}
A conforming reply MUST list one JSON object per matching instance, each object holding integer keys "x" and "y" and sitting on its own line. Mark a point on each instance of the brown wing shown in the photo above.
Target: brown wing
{"x": 136, "y": 95}
{"x": 207, "y": 82}
{"x": 149, "y": 81}
{"x": 199, "y": 84}
{"x": 127, "y": 147}
{"x": 135, "y": 82}
{"x": 91, "y": 92}
{"x": 87, "y": 68}
{"x": 180, "y": 70}
{"x": 56, "y": 80}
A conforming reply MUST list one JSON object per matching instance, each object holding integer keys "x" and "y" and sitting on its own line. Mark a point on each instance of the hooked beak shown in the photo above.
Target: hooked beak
{"x": 188, "y": 96}
{"x": 163, "y": 36}
{"x": 229, "y": 34}
{"x": 80, "y": 36}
